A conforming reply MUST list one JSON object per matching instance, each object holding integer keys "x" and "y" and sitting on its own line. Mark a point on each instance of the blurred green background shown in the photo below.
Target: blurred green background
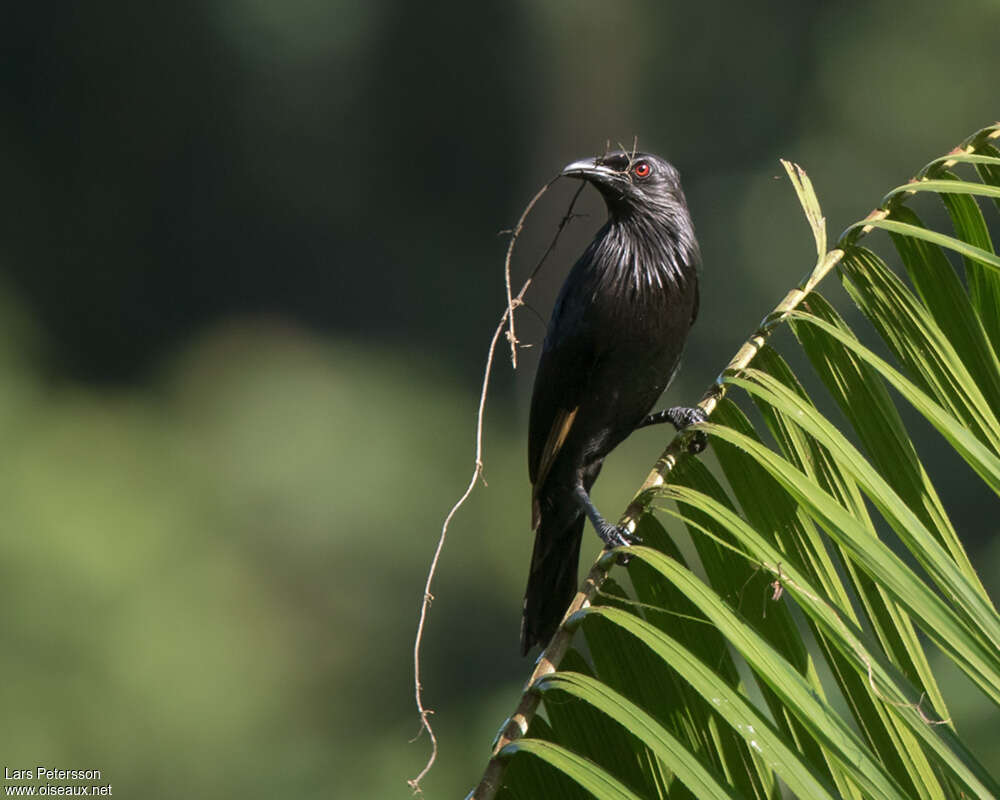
{"x": 250, "y": 265}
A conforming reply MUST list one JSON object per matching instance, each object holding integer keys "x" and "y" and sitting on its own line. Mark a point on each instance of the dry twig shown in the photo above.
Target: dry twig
{"x": 505, "y": 318}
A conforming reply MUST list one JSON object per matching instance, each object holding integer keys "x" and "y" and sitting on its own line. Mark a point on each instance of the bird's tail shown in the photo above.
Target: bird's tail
{"x": 552, "y": 580}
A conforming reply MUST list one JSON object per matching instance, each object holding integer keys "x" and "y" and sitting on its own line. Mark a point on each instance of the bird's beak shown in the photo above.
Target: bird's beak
{"x": 589, "y": 169}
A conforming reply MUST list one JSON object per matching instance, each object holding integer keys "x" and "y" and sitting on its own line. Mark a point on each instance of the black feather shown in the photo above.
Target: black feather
{"x": 613, "y": 344}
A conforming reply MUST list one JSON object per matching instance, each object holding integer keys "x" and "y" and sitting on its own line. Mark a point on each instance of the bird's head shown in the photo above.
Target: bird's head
{"x": 630, "y": 181}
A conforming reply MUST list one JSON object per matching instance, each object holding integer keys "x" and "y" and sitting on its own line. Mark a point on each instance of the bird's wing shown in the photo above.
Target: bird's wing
{"x": 553, "y": 444}
{"x": 560, "y": 383}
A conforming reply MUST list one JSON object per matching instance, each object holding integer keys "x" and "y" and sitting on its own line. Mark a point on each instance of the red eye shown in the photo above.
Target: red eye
{"x": 641, "y": 170}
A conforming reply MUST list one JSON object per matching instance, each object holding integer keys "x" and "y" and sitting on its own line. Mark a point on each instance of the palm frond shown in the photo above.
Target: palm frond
{"x": 788, "y": 651}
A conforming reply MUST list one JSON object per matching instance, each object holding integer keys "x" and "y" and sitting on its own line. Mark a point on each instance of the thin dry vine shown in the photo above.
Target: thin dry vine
{"x": 513, "y": 302}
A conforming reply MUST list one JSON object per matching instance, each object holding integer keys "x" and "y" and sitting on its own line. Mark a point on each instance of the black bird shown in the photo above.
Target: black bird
{"x": 613, "y": 345}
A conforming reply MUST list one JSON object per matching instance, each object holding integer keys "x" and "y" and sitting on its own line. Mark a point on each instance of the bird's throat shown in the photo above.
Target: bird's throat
{"x": 638, "y": 254}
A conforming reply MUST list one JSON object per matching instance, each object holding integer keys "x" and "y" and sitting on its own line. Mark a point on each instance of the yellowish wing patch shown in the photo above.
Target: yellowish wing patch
{"x": 553, "y": 444}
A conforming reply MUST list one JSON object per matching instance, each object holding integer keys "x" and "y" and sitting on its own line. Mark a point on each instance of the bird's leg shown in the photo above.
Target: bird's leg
{"x": 680, "y": 417}
{"x": 611, "y": 535}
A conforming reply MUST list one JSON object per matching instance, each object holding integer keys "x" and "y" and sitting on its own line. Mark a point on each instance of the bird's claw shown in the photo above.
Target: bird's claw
{"x": 699, "y": 441}
{"x": 618, "y": 536}
{"x": 683, "y": 417}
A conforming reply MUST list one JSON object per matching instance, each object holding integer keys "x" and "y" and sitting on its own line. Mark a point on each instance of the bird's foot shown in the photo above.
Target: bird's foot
{"x": 681, "y": 417}
{"x": 611, "y": 535}
{"x": 684, "y": 417}
{"x": 617, "y": 536}
{"x": 698, "y": 443}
